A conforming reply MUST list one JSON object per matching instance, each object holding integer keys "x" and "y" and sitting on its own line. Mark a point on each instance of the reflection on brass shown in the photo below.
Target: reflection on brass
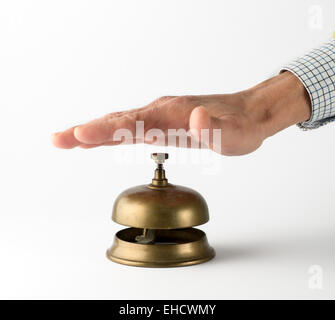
{"x": 161, "y": 216}
{"x": 147, "y": 237}
{"x": 174, "y": 248}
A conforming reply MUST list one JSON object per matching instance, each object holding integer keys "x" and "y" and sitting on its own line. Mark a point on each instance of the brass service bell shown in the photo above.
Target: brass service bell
{"x": 161, "y": 217}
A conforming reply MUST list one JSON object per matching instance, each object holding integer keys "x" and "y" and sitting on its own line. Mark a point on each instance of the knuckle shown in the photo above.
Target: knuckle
{"x": 113, "y": 114}
{"x": 163, "y": 99}
{"x": 184, "y": 100}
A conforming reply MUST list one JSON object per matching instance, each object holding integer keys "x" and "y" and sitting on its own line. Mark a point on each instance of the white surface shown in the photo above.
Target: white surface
{"x": 64, "y": 62}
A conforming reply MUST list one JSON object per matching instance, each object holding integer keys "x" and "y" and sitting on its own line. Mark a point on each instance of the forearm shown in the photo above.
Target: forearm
{"x": 279, "y": 102}
{"x": 303, "y": 95}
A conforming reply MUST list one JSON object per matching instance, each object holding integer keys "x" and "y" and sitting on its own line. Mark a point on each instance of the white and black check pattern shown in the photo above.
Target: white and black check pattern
{"x": 316, "y": 70}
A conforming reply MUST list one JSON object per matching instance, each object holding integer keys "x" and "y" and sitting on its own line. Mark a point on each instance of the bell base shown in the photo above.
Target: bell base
{"x": 173, "y": 248}
{"x": 156, "y": 265}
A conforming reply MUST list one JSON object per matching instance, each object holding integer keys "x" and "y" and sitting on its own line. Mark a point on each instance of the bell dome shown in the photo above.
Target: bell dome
{"x": 163, "y": 207}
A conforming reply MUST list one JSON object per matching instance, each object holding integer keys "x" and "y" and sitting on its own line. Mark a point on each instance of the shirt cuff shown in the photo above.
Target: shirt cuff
{"x": 316, "y": 71}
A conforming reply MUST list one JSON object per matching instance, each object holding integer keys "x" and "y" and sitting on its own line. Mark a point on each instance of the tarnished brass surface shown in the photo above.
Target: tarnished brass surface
{"x": 172, "y": 248}
{"x": 161, "y": 216}
{"x": 169, "y": 207}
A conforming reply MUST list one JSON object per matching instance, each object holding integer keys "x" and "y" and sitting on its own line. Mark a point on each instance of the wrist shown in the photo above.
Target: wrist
{"x": 279, "y": 102}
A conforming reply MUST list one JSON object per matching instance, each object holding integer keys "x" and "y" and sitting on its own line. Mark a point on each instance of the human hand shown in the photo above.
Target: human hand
{"x": 245, "y": 119}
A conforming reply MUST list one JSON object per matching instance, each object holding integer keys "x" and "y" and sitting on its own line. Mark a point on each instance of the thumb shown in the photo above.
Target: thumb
{"x": 199, "y": 123}
{"x": 206, "y": 129}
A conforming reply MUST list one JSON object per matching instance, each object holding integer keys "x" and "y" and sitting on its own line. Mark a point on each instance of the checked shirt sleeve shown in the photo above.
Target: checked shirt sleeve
{"x": 316, "y": 70}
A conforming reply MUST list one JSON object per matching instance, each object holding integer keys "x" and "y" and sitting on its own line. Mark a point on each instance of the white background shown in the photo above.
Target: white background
{"x": 65, "y": 62}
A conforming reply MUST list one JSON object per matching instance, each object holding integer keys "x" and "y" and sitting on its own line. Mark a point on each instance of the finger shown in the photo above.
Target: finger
{"x": 112, "y": 143}
{"x": 65, "y": 139}
{"x": 160, "y": 115}
{"x": 103, "y": 130}
{"x": 89, "y": 146}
